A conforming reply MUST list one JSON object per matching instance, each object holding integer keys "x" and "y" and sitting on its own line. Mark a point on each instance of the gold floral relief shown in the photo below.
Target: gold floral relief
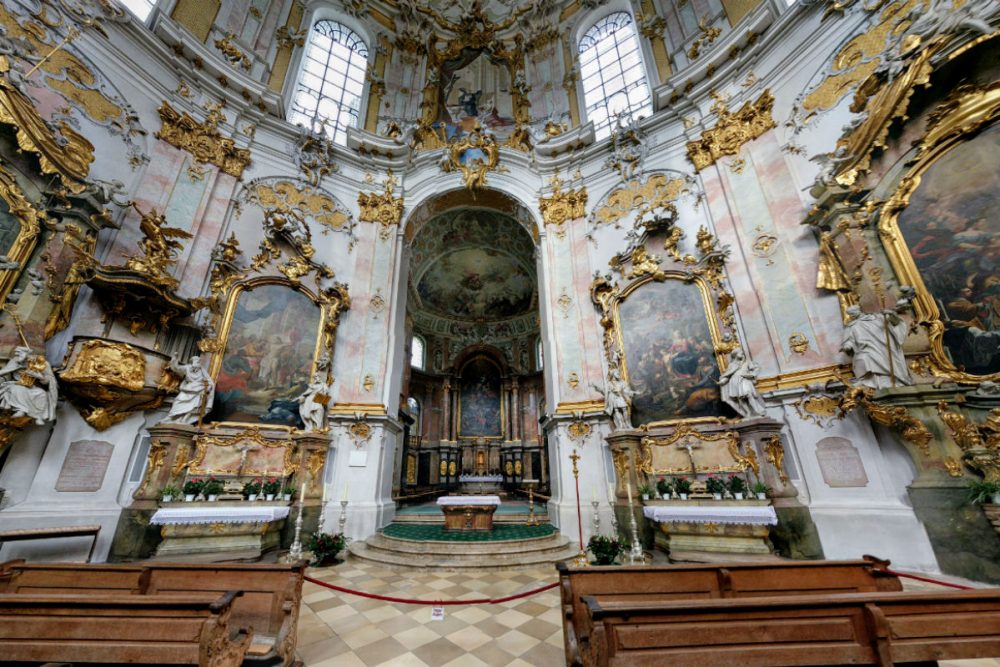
{"x": 733, "y": 129}
{"x": 285, "y": 196}
{"x": 30, "y": 221}
{"x": 654, "y": 195}
{"x": 202, "y": 140}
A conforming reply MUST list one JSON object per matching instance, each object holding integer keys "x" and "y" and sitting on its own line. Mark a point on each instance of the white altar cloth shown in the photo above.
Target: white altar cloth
{"x": 172, "y": 516}
{"x": 754, "y": 515}
{"x": 468, "y": 500}
{"x": 480, "y": 478}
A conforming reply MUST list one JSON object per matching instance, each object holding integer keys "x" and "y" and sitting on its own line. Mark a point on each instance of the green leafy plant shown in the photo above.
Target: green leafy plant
{"x": 605, "y": 549}
{"x": 715, "y": 484}
{"x": 252, "y": 488}
{"x": 213, "y": 487}
{"x": 760, "y": 487}
{"x": 682, "y": 485}
{"x": 170, "y": 492}
{"x": 288, "y": 490}
{"x": 325, "y": 547}
{"x": 982, "y": 492}
{"x": 272, "y": 486}
{"x": 736, "y": 484}
{"x": 663, "y": 487}
{"x": 194, "y": 486}
{"x": 645, "y": 490}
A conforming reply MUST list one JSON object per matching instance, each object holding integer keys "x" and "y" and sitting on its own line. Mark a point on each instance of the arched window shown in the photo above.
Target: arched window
{"x": 611, "y": 72}
{"x": 332, "y": 79}
{"x": 417, "y": 350}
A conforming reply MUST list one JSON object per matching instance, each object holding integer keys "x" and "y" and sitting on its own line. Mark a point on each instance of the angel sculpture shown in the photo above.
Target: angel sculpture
{"x": 159, "y": 248}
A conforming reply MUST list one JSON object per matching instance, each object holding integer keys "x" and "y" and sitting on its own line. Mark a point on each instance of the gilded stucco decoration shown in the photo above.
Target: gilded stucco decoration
{"x": 629, "y": 147}
{"x": 244, "y": 441}
{"x": 384, "y": 209}
{"x": 562, "y": 205}
{"x": 649, "y": 198}
{"x": 30, "y": 220}
{"x": 40, "y": 53}
{"x": 911, "y": 429}
{"x": 203, "y": 140}
{"x": 732, "y": 130}
{"x": 315, "y": 156}
{"x": 688, "y": 437}
{"x": 232, "y": 52}
{"x": 979, "y": 442}
{"x": 474, "y": 156}
{"x": 289, "y": 197}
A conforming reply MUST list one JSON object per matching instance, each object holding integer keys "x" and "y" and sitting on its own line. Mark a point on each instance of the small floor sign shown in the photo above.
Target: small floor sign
{"x": 437, "y": 613}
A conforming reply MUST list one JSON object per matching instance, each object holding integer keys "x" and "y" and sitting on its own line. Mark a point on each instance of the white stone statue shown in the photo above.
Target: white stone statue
{"x": 196, "y": 387}
{"x": 738, "y": 385}
{"x": 875, "y": 342}
{"x": 28, "y": 387}
{"x": 617, "y": 399}
{"x": 313, "y": 401}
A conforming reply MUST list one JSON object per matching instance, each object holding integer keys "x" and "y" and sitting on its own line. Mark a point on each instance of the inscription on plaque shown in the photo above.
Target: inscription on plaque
{"x": 84, "y": 466}
{"x": 840, "y": 463}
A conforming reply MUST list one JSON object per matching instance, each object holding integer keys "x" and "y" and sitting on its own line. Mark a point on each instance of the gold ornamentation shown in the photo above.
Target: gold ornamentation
{"x": 764, "y": 246}
{"x": 953, "y": 467}
{"x": 368, "y": 383}
{"x": 732, "y": 130}
{"x": 517, "y": 467}
{"x": 475, "y": 155}
{"x": 578, "y": 430}
{"x": 573, "y": 380}
{"x": 289, "y": 38}
{"x": 562, "y": 206}
{"x": 290, "y": 198}
{"x": 360, "y": 431}
{"x": 798, "y": 343}
{"x": 910, "y": 428}
{"x": 645, "y": 264}
{"x": 967, "y": 110}
{"x": 684, "y": 432}
{"x": 232, "y": 52}
{"x": 203, "y": 140}
{"x": 443, "y": 469}
{"x": 102, "y": 363}
{"x": 509, "y": 468}
{"x": 980, "y": 443}
{"x": 775, "y": 454}
{"x": 746, "y": 461}
{"x": 708, "y": 36}
{"x": 181, "y": 462}
{"x": 452, "y": 469}
{"x": 411, "y": 469}
{"x": 384, "y": 209}
{"x": 619, "y": 458}
{"x": 29, "y": 220}
{"x": 314, "y": 464}
{"x": 159, "y": 249}
{"x": 653, "y": 196}
{"x": 246, "y": 440}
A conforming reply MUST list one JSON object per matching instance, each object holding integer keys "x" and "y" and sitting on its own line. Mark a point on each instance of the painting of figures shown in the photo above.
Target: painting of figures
{"x": 953, "y": 234}
{"x": 479, "y": 400}
{"x": 669, "y": 353}
{"x": 475, "y": 89}
{"x": 268, "y": 356}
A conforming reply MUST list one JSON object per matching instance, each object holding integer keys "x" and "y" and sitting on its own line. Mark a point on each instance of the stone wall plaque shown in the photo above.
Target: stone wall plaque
{"x": 84, "y": 467}
{"x": 840, "y": 463}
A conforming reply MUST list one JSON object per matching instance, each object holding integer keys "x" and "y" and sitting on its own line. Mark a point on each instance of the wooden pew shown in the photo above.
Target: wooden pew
{"x": 26, "y": 534}
{"x": 269, "y": 604}
{"x": 898, "y": 628}
{"x": 702, "y": 581}
{"x": 110, "y": 629}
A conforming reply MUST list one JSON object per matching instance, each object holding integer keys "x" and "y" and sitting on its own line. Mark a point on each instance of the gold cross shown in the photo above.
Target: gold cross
{"x": 575, "y": 457}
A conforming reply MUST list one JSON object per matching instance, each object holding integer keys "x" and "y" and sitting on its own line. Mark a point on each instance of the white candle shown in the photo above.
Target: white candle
{"x": 629, "y": 488}
{"x": 611, "y": 493}
{"x": 302, "y": 494}
{"x": 324, "y": 493}
{"x": 345, "y": 490}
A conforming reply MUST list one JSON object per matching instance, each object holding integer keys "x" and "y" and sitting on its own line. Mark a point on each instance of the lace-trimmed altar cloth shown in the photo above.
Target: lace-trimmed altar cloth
{"x": 172, "y": 516}
{"x": 754, "y": 515}
{"x": 469, "y": 500}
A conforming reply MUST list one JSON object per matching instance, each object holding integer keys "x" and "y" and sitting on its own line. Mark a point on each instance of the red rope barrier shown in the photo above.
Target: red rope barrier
{"x": 927, "y": 580}
{"x": 436, "y": 603}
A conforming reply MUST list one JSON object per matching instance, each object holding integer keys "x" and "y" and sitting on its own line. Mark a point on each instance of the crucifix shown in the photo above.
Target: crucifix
{"x": 690, "y": 447}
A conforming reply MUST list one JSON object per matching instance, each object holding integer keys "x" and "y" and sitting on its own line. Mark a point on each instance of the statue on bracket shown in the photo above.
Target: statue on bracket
{"x": 315, "y": 399}
{"x": 738, "y": 387}
{"x": 875, "y": 343}
{"x": 28, "y": 387}
{"x": 196, "y": 393}
{"x": 617, "y": 397}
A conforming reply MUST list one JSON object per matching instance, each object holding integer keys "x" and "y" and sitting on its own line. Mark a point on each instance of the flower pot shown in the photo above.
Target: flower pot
{"x": 286, "y": 496}
{"x": 188, "y": 497}
{"x": 761, "y": 496}
{"x": 645, "y": 496}
{"x": 212, "y": 497}
{"x": 167, "y": 499}
{"x": 684, "y": 496}
{"x": 269, "y": 496}
{"x": 717, "y": 496}
{"x": 253, "y": 497}
{"x": 739, "y": 496}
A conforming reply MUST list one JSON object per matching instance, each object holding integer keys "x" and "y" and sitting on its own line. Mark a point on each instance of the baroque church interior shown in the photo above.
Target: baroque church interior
{"x": 435, "y": 296}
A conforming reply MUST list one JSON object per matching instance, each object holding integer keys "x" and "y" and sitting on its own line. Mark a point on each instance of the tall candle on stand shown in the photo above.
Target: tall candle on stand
{"x": 302, "y": 494}
{"x": 628, "y": 487}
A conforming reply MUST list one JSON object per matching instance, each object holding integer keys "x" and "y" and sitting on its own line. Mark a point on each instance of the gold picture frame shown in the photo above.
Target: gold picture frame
{"x": 24, "y": 244}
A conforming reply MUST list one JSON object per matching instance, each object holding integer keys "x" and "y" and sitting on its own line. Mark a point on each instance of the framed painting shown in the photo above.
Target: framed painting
{"x": 480, "y": 405}
{"x": 668, "y": 351}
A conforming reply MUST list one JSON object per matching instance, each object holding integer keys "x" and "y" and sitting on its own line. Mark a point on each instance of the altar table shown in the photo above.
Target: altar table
{"x": 688, "y": 527}
{"x": 468, "y": 512}
{"x": 213, "y": 532}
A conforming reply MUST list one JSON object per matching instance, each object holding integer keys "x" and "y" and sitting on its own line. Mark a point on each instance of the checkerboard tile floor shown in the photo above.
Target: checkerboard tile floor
{"x": 349, "y": 631}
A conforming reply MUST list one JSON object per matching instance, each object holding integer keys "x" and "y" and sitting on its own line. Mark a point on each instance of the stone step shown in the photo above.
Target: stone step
{"x": 535, "y": 545}
{"x": 460, "y": 561}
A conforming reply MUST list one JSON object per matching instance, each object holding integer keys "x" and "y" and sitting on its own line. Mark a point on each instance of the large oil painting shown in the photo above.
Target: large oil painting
{"x": 477, "y": 283}
{"x": 479, "y": 401}
{"x": 952, "y": 231}
{"x": 475, "y": 89}
{"x": 268, "y": 357}
{"x": 669, "y": 354}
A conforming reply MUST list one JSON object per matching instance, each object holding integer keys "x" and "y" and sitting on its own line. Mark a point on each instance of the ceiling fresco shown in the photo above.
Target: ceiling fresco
{"x": 473, "y": 264}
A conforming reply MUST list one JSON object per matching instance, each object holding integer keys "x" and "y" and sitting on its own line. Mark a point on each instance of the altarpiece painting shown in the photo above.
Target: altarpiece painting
{"x": 479, "y": 401}
{"x": 269, "y": 355}
{"x": 669, "y": 355}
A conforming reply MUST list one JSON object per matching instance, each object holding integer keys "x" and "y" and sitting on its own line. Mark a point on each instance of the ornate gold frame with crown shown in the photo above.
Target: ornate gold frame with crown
{"x": 640, "y": 267}
{"x": 967, "y": 111}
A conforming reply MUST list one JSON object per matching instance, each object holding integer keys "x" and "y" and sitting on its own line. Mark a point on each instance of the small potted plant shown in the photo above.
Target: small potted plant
{"x": 271, "y": 488}
{"x": 192, "y": 488}
{"x": 682, "y": 485}
{"x": 715, "y": 486}
{"x": 983, "y": 492}
{"x": 605, "y": 549}
{"x": 286, "y": 492}
{"x": 251, "y": 489}
{"x": 663, "y": 488}
{"x": 325, "y": 547}
{"x": 169, "y": 493}
{"x": 737, "y": 486}
{"x": 760, "y": 489}
{"x": 645, "y": 491}
{"x": 213, "y": 487}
